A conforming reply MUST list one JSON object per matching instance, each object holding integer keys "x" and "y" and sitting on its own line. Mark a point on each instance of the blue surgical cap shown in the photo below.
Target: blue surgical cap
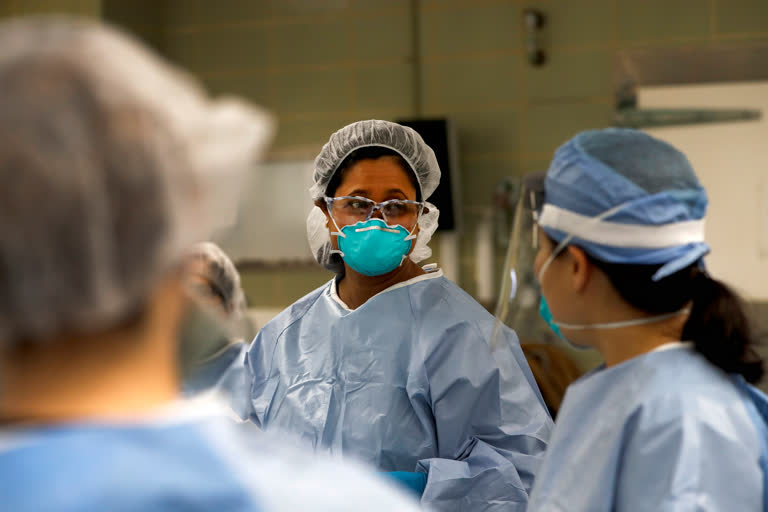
{"x": 626, "y": 197}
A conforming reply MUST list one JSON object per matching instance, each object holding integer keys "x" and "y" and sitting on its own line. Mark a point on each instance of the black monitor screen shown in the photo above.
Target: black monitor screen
{"x": 435, "y": 133}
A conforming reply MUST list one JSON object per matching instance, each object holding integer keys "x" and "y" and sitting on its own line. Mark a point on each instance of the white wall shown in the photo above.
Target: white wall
{"x": 271, "y": 221}
{"x": 731, "y": 160}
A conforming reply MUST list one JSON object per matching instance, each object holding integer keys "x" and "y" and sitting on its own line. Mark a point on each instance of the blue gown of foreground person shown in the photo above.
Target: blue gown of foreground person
{"x": 655, "y": 433}
{"x": 406, "y": 382}
{"x": 177, "y": 465}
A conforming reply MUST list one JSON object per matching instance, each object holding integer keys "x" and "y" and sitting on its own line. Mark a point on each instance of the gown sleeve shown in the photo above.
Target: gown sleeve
{"x": 246, "y": 381}
{"x": 491, "y": 424}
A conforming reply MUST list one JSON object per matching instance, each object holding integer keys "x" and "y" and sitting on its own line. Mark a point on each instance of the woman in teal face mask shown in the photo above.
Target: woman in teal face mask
{"x": 373, "y": 207}
{"x": 390, "y": 363}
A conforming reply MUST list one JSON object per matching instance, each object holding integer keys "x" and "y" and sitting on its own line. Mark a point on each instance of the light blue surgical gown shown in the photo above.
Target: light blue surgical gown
{"x": 168, "y": 464}
{"x": 405, "y": 382}
{"x": 665, "y": 431}
{"x": 207, "y": 374}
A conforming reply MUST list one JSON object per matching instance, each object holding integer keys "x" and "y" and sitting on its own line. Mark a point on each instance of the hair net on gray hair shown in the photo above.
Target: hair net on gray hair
{"x": 221, "y": 273}
{"x": 109, "y": 159}
{"x": 401, "y": 139}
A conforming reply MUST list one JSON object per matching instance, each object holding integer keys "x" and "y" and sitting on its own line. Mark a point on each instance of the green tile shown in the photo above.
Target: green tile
{"x": 303, "y": 91}
{"x": 315, "y": 44}
{"x": 206, "y": 15}
{"x": 195, "y": 13}
{"x": 735, "y": 16}
{"x": 305, "y": 8}
{"x": 142, "y": 18}
{"x": 214, "y": 51}
{"x": 578, "y": 24}
{"x": 133, "y": 12}
{"x": 149, "y": 34}
{"x": 277, "y": 288}
{"x": 379, "y": 4}
{"x": 374, "y": 112}
{"x": 467, "y": 247}
{"x": 184, "y": 13}
{"x": 534, "y": 165}
{"x": 460, "y": 84}
{"x": 548, "y": 126}
{"x": 381, "y": 36}
{"x": 384, "y": 88}
{"x": 483, "y": 133}
{"x": 479, "y": 177}
{"x": 471, "y": 29}
{"x": 304, "y": 133}
{"x": 254, "y": 87}
{"x": 659, "y": 20}
{"x": 572, "y": 75}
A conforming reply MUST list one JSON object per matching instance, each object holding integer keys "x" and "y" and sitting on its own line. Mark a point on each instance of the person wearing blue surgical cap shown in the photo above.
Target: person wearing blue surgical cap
{"x": 390, "y": 363}
{"x": 670, "y": 422}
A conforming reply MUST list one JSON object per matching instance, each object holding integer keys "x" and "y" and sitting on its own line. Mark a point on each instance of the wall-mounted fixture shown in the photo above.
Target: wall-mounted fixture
{"x": 652, "y": 67}
{"x": 628, "y": 115}
{"x": 534, "y": 21}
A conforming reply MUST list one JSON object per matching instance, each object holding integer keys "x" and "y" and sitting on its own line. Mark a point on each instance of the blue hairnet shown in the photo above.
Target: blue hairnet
{"x": 626, "y": 197}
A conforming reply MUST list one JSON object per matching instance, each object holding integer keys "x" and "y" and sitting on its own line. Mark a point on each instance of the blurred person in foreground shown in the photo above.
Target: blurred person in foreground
{"x": 104, "y": 153}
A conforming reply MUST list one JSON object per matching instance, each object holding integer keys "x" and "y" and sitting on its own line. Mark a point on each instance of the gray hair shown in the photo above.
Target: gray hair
{"x": 104, "y": 153}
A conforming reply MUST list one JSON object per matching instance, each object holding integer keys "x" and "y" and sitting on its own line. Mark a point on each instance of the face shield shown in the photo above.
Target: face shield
{"x": 517, "y": 304}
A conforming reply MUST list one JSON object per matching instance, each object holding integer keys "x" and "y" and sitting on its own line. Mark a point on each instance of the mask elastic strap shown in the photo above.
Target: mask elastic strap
{"x": 564, "y": 243}
{"x": 336, "y": 233}
{"x": 625, "y": 323}
{"x": 412, "y": 234}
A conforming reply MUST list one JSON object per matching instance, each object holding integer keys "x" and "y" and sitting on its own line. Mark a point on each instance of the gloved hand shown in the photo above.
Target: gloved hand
{"x": 414, "y": 482}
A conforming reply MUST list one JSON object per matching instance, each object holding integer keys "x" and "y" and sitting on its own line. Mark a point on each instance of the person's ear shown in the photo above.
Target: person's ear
{"x": 580, "y": 268}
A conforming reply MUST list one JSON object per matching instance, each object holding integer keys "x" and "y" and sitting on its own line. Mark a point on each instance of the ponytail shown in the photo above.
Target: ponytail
{"x": 720, "y": 330}
{"x": 717, "y": 324}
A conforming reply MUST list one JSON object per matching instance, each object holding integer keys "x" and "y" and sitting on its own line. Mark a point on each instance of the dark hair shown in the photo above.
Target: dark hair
{"x": 370, "y": 153}
{"x": 718, "y": 324}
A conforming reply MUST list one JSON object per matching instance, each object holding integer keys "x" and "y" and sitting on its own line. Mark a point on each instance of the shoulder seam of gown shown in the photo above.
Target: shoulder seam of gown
{"x": 475, "y": 326}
